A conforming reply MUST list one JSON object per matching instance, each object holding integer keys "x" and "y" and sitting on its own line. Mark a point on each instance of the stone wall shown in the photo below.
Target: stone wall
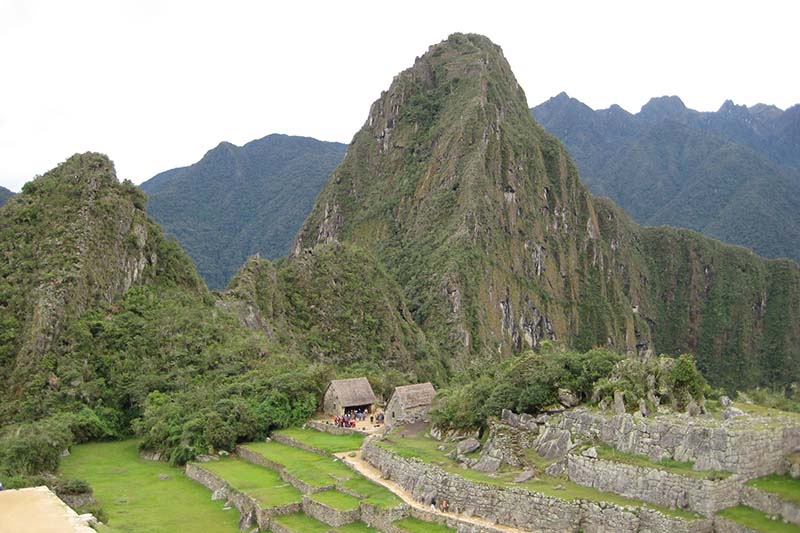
{"x": 520, "y": 507}
{"x": 721, "y": 525}
{"x": 297, "y": 444}
{"x": 771, "y": 504}
{"x": 655, "y": 486}
{"x": 750, "y": 451}
{"x": 249, "y": 509}
{"x": 329, "y": 515}
{"x": 330, "y": 428}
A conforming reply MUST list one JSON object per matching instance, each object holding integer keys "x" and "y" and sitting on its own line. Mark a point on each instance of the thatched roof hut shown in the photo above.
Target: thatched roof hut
{"x": 348, "y": 394}
{"x": 410, "y": 403}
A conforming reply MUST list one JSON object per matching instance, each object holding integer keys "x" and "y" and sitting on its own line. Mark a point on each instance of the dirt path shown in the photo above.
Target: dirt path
{"x": 361, "y": 466}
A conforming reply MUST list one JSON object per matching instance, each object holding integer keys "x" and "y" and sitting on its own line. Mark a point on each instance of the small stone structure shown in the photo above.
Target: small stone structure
{"x": 410, "y": 403}
{"x": 348, "y": 394}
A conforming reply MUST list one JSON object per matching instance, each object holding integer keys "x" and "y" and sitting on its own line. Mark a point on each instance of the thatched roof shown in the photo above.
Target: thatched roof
{"x": 415, "y": 395}
{"x": 353, "y": 391}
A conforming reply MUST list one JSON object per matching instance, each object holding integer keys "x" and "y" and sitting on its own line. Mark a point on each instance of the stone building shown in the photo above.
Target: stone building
{"x": 344, "y": 395}
{"x": 410, "y": 403}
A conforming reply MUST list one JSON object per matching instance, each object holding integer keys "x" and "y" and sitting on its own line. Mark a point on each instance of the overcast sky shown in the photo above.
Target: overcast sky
{"x": 155, "y": 84}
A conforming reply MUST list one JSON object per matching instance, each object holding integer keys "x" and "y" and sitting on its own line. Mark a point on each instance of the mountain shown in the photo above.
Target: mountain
{"x": 480, "y": 216}
{"x": 5, "y": 195}
{"x": 731, "y": 174}
{"x": 241, "y": 201}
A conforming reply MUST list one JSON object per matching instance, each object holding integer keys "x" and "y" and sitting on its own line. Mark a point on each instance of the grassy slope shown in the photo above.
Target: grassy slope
{"x": 263, "y": 484}
{"x": 324, "y": 441}
{"x": 136, "y": 500}
{"x": 415, "y": 525}
{"x": 755, "y": 519}
{"x": 784, "y": 486}
{"x": 337, "y": 500}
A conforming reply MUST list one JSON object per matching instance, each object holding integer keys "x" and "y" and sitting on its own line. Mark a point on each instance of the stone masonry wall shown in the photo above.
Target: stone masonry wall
{"x": 771, "y": 504}
{"x": 519, "y": 507}
{"x": 721, "y": 525}
{"x": 249, "y": 509}
{"x": 299, "y": 484}
{"x": 297, "y": 444}
{"x": 654, "y": 486}
{"x": 751, "y": 452}
{"x": 330, "y": 428}
{"x": 329, "y": 515}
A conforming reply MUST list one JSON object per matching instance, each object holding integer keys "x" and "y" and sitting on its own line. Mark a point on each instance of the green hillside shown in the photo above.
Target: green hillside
{"x": 241, "y": 201}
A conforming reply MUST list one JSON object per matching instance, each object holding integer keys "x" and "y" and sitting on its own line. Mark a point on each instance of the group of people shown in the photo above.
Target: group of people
{"x": 443, "y": 505}
{"x": 351, "y": 417}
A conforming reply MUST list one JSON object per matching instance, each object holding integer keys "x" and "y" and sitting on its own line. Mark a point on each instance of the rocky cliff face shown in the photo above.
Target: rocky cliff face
{"x": 481, "y": 218}
{"x": 73, "y": 238}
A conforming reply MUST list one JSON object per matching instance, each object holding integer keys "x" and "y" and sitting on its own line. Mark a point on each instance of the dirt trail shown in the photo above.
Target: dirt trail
{"x": 361, "y": 466}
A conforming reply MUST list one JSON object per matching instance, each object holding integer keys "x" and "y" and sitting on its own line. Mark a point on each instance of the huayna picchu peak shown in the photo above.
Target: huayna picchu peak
{"x": 481, "y": 217}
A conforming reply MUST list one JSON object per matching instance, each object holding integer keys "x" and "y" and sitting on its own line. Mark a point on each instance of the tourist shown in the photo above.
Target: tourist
{"x": 371, "y": 419}
{"x": 444, "y": 506}
{"x": 433, "y": 504}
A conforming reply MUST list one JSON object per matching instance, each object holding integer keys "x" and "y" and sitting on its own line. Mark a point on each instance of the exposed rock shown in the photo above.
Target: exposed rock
{"x": 65, "y": 453}
{"x": 554, "y": 443}
{"x": 219, "y": 494}
{"x": 725, "y": 401}
{"x": 524, "y": 476}
{"x": 568, "y": 398}
{"x": 468, "y": 446}
{"x": 591, "y": 453}
{"x": 731, "y": 412}
{"x": 441, "y": 447}
{"x": 692, "y": 409}
{"x": 451, "y": 454}
{"x": 794, "y": 471}
{"x": 619, "y": 403}
{"x": 453, "y": 435}
{"x": 643, "y": 408}
{"x": 557, "y": 469}
{"x": 206, "y": 458}
{"x": 487, "y": 464}
{"x": 163, "y": 477}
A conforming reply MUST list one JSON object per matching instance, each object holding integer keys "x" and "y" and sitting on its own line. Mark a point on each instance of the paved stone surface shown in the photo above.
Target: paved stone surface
{"x": 38, "y": 509}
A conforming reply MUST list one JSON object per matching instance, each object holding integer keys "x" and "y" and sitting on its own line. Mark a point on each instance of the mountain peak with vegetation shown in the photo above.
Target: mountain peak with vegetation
{"x": 730, "y": 174}
{"x": 479, "y": 214}
{"x": 240, "y": 201}
{"x": 5, "y": 196}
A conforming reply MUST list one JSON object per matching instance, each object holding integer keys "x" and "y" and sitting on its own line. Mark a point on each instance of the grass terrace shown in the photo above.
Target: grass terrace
{"x": 323, "y": 470}
{"x": 415, "y": 525}
{"x": 784, "y": 486}
{"x": 755, "y": 519}
{"x": 302, "y": 523}
{"x": 262, "y": 484}
{"x": 135, "y": 499}
{"x": 338, "y": 500}
{"x": 426, "y": 450}
{"x": 324, "y": 441}
{"x": 669, "y": 465}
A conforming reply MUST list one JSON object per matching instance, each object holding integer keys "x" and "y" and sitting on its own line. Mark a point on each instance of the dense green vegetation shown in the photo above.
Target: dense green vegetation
{"x": 725, "y": 174}
{"x": 755, "y": 519}
{"x": 241, "y": 201}
{"x": 134, "y": 498}
{"x": 525, "y": 384}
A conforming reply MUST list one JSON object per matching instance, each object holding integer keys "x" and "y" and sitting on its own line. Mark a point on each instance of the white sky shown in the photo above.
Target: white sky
{"x": 155, "y": 84}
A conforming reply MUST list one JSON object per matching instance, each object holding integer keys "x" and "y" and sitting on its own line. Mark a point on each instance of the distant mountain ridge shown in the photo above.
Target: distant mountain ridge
{"x": 733, "y": 174}
{"x": 5, "y": 195}
{"x": 241, "y": 201}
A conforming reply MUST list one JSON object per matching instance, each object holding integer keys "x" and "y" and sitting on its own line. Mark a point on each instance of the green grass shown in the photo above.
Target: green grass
{"x": 263, "y": 484}
{"x": 668, "y": 465}
{"x": 427, "y": 450}
{"x": 302, "y": 523}
{"x": 316, "y": 470}
{"x": 324, "y": 441}
{"x": 415, "y": 525}
{"x": 136, "y": 500}
{"x": 784, "y": 486}
{"x": 338, "y": 500}
{"x": 375, "y": 494}
{"x": 755, "y": 519}
{"x": 322, "y": 471}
